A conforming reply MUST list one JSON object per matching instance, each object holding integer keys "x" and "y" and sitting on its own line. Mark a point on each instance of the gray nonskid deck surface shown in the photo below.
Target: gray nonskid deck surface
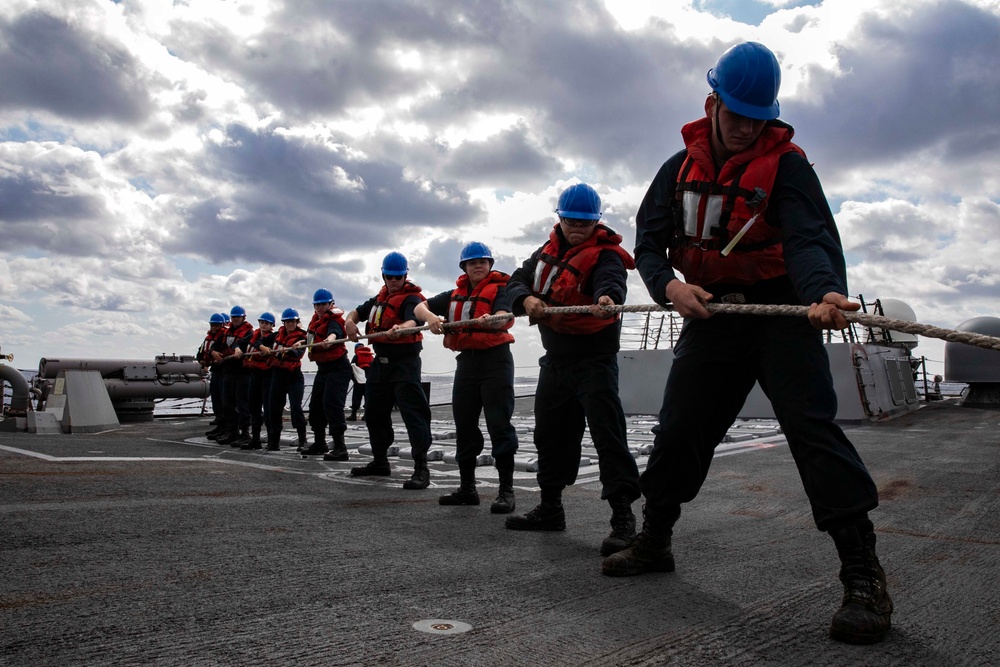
{"x": 204, "y": 556}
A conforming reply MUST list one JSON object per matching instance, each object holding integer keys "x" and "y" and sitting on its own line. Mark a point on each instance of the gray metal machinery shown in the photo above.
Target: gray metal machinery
{"x": 873, "y": 379}
{"x": 897, "y": 310}
{"x": 978, "y": 367}
{"x": 18, "y": 407}
{"x": 85, "y": 395}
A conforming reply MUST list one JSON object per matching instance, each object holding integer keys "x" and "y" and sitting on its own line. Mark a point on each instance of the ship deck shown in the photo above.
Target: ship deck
{"x": 149, "y": 545}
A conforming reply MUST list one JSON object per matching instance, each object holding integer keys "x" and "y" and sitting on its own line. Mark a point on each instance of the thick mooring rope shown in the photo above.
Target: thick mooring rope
{"x": 905, "y": 326}
{"x": 865, "y": 319}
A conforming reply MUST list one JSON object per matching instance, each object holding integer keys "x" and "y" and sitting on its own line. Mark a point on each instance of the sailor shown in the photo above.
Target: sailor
{"x": 484, "y": 375}
{"x": 395, "y": 375}
{"x": 257, "y": 362}
{"x": 287, "y": 382}
{"x": 740, "y": 174}
{"x": 361, "y": 364}
{"x": 210, "y": 358}
{"x": 582, "y": 263}
{"x": 333, "y": 375}
{"x": 236, "y": 387}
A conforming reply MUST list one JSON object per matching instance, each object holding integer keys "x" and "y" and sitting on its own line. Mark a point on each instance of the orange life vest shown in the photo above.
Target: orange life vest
{"x": 205, "y": 351}
{"x": 559, "y": 280}
{"x": 231, "y": 335}
{"x": 259, "y": 362}
{"x": 284, "y": 339}
{"x": 318, "y": 328}
{"x": 385, "y": 314}
{"x": 365, "y": 356}
{"x": 468, "y": 303}
{"x": 710, "y": 209}
{"x": 204, "y": 354}
{"x": 235, "y": 334}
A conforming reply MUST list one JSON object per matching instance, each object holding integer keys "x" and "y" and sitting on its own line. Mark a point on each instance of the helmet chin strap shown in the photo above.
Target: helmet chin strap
{"x": 718, "y": 126}
{"x": 720, "y": 146}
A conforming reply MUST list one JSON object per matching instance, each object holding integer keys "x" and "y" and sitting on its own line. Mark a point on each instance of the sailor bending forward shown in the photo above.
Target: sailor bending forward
{"x": 740, "y": 174}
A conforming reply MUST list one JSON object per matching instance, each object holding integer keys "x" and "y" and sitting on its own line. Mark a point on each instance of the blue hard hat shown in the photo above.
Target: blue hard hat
{"x": 322, "y": 296}
{"x": 217, "y": 318}
{"x": 394, "y": 264}
{"x": 475, "y": 250}
{"x": 747, "y": 78}
{"x": 289, "y": 314}
{"x": 238, "y": 311}
{"x": 357, "y": 345}
{"x": 581, "y": 202}
{"x": 266, "y": 317}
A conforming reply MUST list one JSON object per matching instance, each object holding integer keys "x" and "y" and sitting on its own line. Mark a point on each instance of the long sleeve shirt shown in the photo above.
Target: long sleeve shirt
{"x": 811, "y": 244}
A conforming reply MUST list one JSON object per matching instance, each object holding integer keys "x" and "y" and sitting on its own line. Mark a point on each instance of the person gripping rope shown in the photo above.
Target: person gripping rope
{"x": 395, "y": 375}
{"x": 258, "y": 364}
{"x": 582, "y": 263}
{"x": 484, "y": 374}
{"x": 740, "y": 213}
{"x": 236, "y": 387}
{"x": 287, "y": 381}
{"x": 333, "y": 375}
{"x": 209, "y": 357}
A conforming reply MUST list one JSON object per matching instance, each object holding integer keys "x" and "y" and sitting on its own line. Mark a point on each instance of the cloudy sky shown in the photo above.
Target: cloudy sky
{"x": 161, "y": 161}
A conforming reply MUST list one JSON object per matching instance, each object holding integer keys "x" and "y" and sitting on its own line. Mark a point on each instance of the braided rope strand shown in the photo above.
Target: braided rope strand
{"x": 905, "y": 326}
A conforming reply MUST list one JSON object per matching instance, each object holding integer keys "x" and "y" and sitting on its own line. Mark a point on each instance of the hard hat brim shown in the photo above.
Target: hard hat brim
{"x": 578, "y": 216}
{"x": 750, "y": 110}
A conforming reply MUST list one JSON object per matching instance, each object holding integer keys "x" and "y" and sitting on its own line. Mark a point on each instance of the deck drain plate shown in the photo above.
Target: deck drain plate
{"x": 438, "y": 626}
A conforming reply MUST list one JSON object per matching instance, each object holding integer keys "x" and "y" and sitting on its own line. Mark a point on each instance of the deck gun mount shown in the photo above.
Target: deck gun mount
{"x": 978, "y": 367}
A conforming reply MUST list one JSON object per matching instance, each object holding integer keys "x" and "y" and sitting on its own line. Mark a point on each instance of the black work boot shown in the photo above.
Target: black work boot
{"x": 376, "y": 468}
{"x": 547, "y": 516}
{"x": 243, "y": 440}
{"x": 254, "y": 440}
{"x": 228, "y": 438}
{"x": 318, "y": 445}
{"x": 649, "y": 551}
{"x": 339, "y": 451}
{"x": 254, "y": 443}
{"x": 504, "y": 504}
{"x": 353, "y": 416}
{"x": 273, "y": 442}
{"x": 303, "y": 444}
{"x": 622, "y": 526}
{"x": 421, "y": 477}
{"x": 865, "y": 613}
{"x": 466, "y": 493}
{"x": 214, "y": 433}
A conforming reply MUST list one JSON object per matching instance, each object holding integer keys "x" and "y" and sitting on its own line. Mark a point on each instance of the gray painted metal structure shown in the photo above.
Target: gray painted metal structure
{"x": 86, "y": 395}
{"x": 873, "y": 382}
{"x": 979, "y": 367}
